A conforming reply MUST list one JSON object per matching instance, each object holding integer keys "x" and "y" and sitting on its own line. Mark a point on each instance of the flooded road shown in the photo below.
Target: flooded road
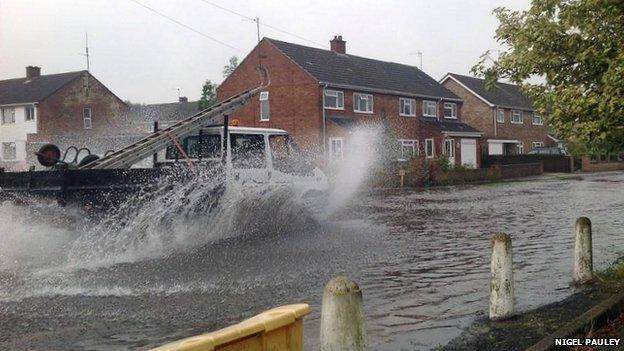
{"x": 420, "y": 257}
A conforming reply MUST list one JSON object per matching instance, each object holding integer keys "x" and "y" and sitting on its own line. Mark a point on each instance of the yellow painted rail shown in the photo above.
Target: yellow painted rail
{"x": 278, "y": 329}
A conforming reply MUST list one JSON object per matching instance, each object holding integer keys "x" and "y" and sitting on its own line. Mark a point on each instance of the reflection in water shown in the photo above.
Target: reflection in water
{"x": 422, "y": 259}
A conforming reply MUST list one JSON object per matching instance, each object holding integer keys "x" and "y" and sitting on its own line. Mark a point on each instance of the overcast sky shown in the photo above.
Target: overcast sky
{"x": 144, "y": 57}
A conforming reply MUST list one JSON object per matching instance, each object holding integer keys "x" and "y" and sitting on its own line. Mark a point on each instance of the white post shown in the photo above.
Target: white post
{"x": 583, "y": 257}
{"x": 501, "y": 281}
{"x": 342, "y": 316}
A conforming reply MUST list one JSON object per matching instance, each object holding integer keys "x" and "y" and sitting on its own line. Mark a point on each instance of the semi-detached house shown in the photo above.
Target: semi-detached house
{"x": 71, "y": 108}
{"x": 505, "y": 115}
{"x": 322, "y": 96}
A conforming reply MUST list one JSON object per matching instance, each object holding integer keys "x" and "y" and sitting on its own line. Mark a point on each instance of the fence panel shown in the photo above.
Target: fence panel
{"x": 552, "y": 163}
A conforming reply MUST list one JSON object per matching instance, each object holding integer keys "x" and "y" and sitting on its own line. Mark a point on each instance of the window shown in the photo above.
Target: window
{"x": 537, "y": 120}
{"x": 335, "y": 148}
{"x": 409, "y": 148}
{"x": 248, "y": 151}
{"x": 500, "y": 115}
{"x": 449, "y": 148}
{"x": 264, "y": 106}
{"x": 520, "y": 148}
{"x": 86, "y": 117}
{"x": 334, "y": 100}
{"x": 9, "y": 151}
{"x": 537, "y": 144}
{"x": 429, "y": 148}
{"x": 30, "y": 113}
{"x": 362, "y": 103}
{"x": 429, "y": 108}
{"x": 407, "y": 107}
{"x": 450, "y": 110}
{"x": 516, "y": 117}
{"x": 209, "y": 146}
{"x": 8, "y": 115}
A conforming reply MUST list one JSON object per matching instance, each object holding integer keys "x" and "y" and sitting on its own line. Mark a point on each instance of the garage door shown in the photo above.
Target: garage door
{"x": 469, "y": 152}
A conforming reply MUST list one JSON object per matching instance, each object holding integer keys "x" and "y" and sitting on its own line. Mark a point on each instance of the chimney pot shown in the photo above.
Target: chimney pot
{"x": 33, "y": 72}
{"x": 182, "y": 99}
{"x": 338, "y": 45}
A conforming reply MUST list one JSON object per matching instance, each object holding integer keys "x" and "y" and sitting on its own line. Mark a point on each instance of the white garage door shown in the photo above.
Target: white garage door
{"x": 469, "y": 152}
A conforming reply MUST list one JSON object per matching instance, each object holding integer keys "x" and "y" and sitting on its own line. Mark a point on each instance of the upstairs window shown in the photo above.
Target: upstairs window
{"x": 9, "y": 151}
{"x": 450, "y": 110}
{"x": 362, "y": 103}
{"x": 30, "y": 113}
{"x": 430, "y": 108}
{"x": 500, "y": 115}
{"x": 264, "y": 106}
{"x": 86, "y": 118}
{"x": 407, "y": 107}
{"x": 8, "y": 115}
{"x": 334, "y": 99}
{"x": 516, "y": 117}
{"x": 537, "y": 120}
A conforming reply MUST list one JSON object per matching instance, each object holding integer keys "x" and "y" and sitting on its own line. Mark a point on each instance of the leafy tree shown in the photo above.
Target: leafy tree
{"x": 208, "y": 96}
{"x": 575, "y": 48}
{"x": 230, "y": 67}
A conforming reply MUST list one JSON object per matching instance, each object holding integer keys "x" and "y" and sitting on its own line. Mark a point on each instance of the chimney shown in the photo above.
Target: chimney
{"x": 33, "y": 72}
{"x": 338, "y": 45}
{"x": 182, "y": 99}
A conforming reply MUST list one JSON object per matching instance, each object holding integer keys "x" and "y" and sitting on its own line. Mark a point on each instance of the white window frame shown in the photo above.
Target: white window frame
{"x": 451, "y": 148}
{"x": 453, "y": 108}
{"x": 14, "y": 151}
{"x": 520, "y": 148}
{"x": 541, "y": 121}
{"x": 32, "y": 116}
{"x": 413, "y": 143}
{"x": 87, "y": 121}
{"x": 4, "y": 114}
{"x": 339, "y": 95}
{"x": 427, "y": 141}
{"x": 332, "y": 156}
{"x": 517, "y": 113}
{"x": 369, "y": 99}
{"x": 500, "y": 115}
{"x": 537, "y": 144}
{"x": 424, "y": 108}
{"x": 264, "y": 98}
{"x": 403, "y": 102}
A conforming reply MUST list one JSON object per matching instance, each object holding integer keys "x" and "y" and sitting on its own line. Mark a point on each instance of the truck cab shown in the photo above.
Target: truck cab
{"x": 253, "y": 155}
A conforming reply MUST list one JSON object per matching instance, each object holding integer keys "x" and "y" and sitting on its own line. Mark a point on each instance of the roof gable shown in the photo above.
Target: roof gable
{"x": 351, "y": 71}
{"x": 502, "y": 95}
{"x": 24, "y": 90}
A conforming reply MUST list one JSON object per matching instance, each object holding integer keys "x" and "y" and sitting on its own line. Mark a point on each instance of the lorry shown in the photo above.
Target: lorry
{"x": 204, "y": 142}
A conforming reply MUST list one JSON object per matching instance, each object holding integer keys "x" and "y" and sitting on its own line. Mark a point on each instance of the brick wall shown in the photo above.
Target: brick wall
{"x": 476, "y": 113}
{"x": 294, "y": 96}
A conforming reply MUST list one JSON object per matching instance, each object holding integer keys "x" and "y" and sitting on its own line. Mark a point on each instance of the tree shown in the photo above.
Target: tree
{"x": 208, "y": 96}
{"x": 230, "y": 67}
{"x": 575, "y": 48}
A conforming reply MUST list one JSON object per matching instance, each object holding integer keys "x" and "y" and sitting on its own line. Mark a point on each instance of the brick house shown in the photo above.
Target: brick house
{"x": 322, "y": 96}
{"x": 143, "y": 116}
{"x": 72, "y": 108}
{"x": 505, "y": 115}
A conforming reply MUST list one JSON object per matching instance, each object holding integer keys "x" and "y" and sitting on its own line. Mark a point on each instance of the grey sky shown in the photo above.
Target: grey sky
{"x": 144, "y": 57}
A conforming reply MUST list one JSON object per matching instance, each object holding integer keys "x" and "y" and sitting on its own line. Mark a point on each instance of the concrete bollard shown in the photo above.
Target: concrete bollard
{"x": 583, "y": 256}
{"x": 342, "y": 316}
{"x": 501, "y": 280}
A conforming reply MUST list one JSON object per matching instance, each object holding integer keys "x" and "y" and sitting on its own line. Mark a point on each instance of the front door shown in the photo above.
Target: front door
{"x": 469, "y": 152}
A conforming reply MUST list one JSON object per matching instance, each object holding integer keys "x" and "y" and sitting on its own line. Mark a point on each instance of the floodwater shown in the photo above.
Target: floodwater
{"x": 420, "y": 257}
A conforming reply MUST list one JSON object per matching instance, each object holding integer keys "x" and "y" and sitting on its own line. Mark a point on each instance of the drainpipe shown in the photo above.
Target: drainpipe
{"x": 494, "y": 115}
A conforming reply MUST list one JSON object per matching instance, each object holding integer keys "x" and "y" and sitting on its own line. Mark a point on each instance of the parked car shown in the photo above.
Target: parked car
{"x": 554, "y": 150}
